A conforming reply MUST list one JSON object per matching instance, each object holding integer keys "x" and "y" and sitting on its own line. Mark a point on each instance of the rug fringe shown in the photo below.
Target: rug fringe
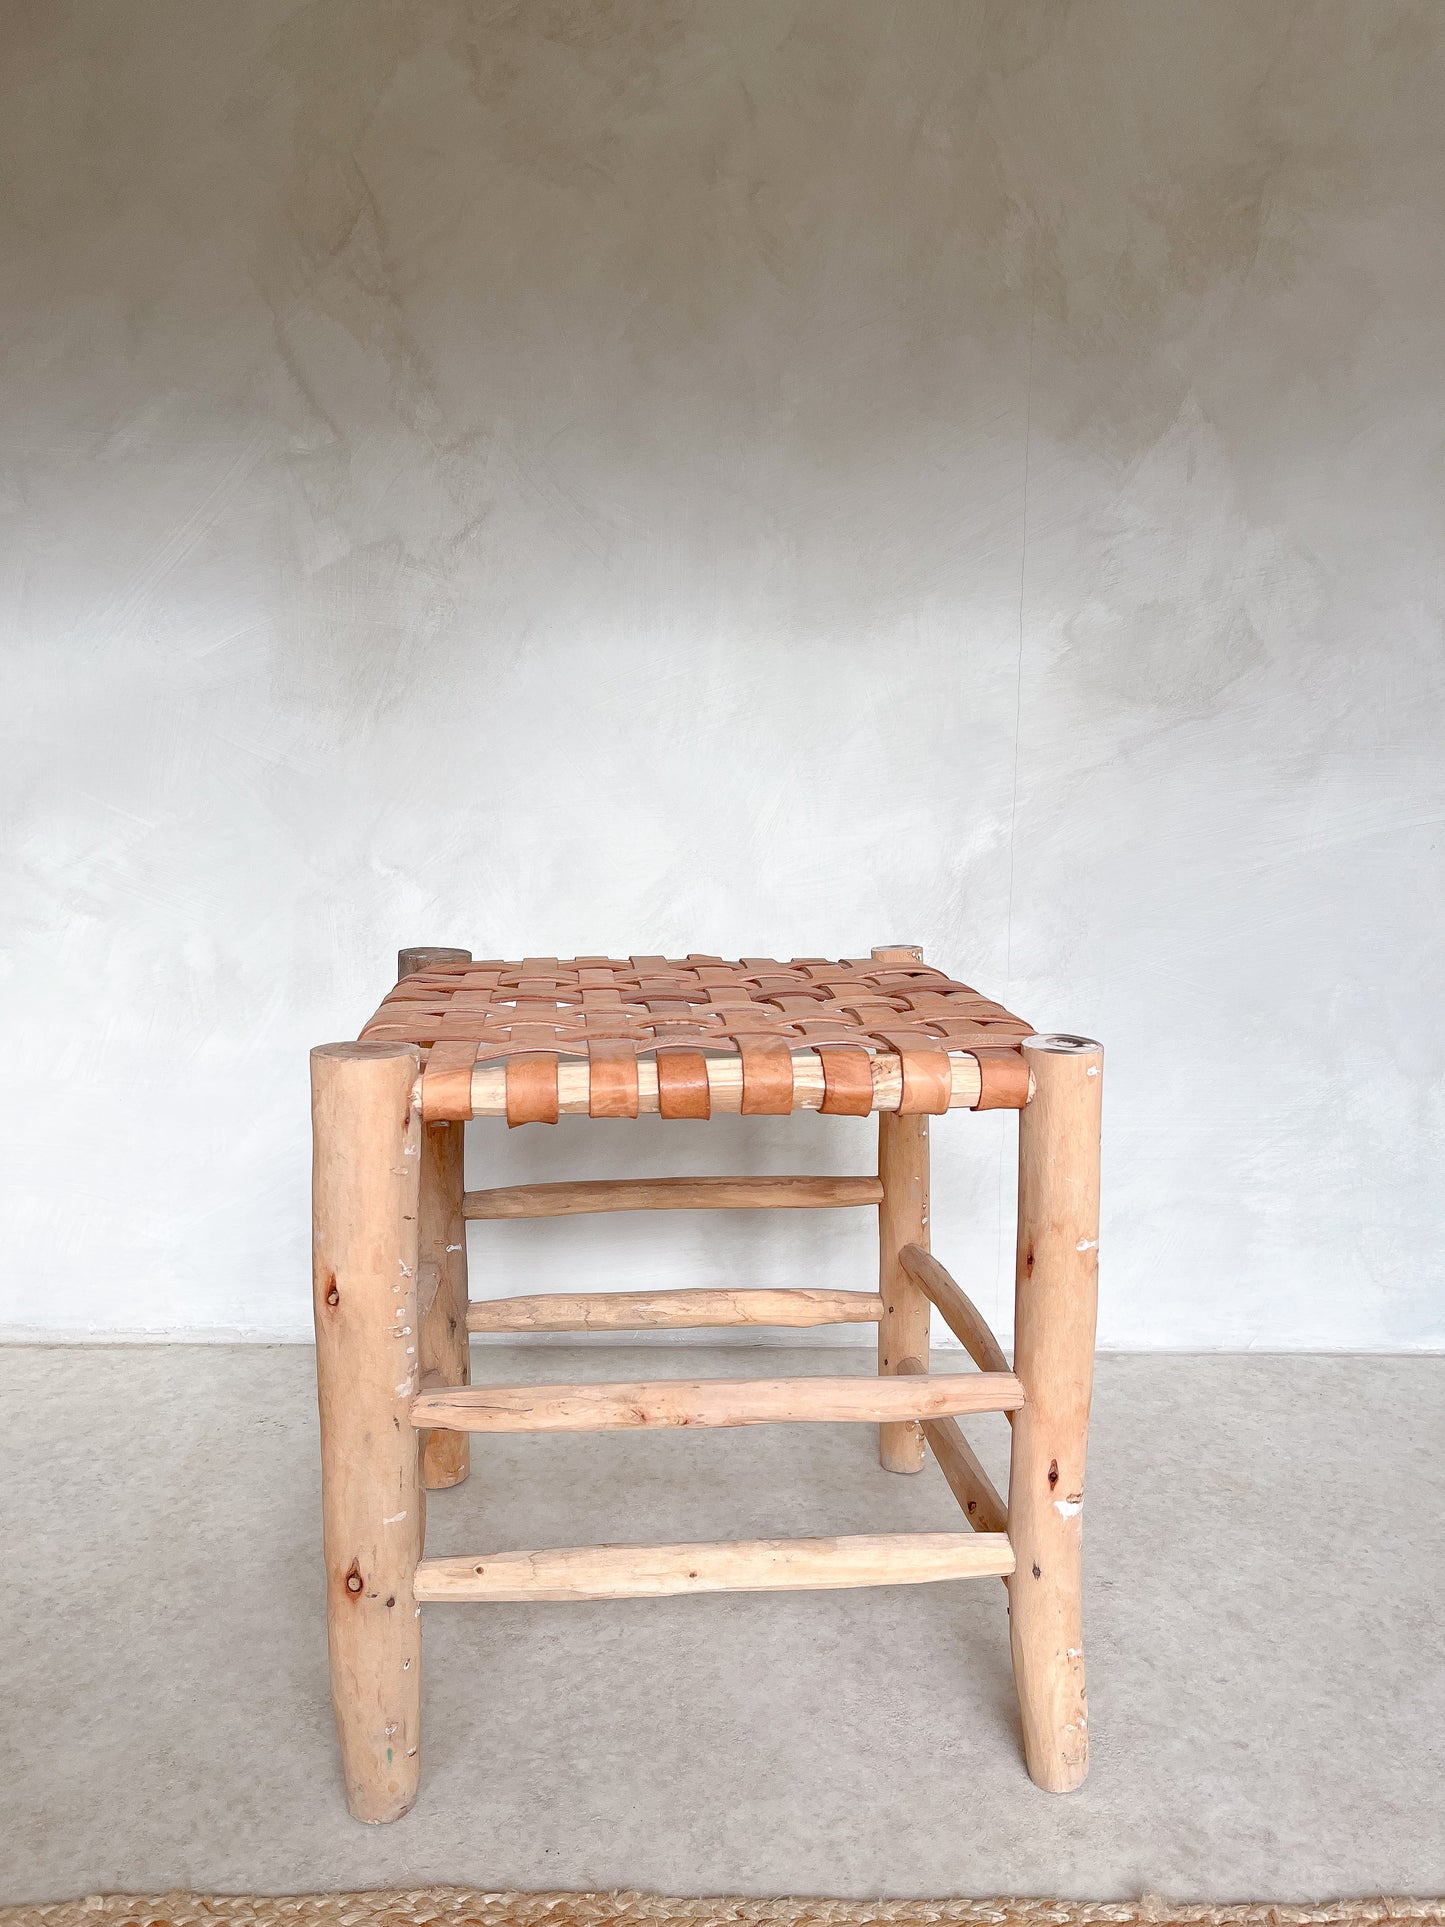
{"x": 464, "y": 1907}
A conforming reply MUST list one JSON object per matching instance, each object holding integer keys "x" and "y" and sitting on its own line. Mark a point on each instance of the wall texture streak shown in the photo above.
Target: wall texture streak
{"x": 780, "y": 476}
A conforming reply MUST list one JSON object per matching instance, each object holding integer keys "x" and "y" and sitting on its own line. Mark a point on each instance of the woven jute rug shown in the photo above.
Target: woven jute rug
{"x": 459, "y": 1907}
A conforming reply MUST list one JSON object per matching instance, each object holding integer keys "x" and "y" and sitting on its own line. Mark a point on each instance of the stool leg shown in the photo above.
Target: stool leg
{"x": 1055, "y": 1302}
{"x": 365, "y": 1199}
{"x": 903, "y": 1330}
{"x": 446, "y": 1456}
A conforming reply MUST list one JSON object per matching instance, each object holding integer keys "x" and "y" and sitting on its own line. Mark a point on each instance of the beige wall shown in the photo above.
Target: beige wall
{"x": 741, "y": 475}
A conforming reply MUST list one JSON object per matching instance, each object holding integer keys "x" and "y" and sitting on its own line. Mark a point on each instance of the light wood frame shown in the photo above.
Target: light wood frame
{"x": 398, "y": 1409}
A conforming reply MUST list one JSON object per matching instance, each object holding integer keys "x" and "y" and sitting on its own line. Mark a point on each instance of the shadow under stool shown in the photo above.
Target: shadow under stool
{"x": 460, "y": 1038}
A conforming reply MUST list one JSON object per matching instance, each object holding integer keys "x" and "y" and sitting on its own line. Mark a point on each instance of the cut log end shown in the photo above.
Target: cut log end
{"x": 362, "y": 1049}
{"x": 422, "y": 956}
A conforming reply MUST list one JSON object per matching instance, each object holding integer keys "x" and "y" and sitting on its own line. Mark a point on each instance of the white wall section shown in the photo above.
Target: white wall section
{"x": 761, "y": 478}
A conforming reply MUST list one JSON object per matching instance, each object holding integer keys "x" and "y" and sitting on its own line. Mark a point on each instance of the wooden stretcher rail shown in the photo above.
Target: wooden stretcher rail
{"x": 725, "y": 1085}
{"x": 623, "y": 1311}
{"x": 669, "y": 1194}
{"x": 967, "y": 1480}
{"x": 711, "y": 1402}
{"x": 962, "y": 1317}
{"x": 745, "y": 1565}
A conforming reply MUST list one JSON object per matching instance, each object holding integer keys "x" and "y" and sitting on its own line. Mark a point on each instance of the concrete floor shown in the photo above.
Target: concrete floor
{"x": 1266, "y": 1552}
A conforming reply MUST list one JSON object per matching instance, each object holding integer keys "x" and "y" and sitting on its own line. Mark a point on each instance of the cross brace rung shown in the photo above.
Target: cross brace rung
{"x": 711, "y": 1402}
{"x": 961, "y": 1315}
{"x": 745, "y": 1565}
{"x": 611, "y": 1311}
{"x": 959, "y": 1464}
{"x": 670, "y": 1194}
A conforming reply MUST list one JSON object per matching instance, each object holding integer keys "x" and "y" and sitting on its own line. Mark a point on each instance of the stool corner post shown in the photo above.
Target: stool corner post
{"x": 366, "y": 1133}
{"x": 904, "y": 1327}
{"x": 1055, "y": 1313}
{"x": 445, "y": 1347}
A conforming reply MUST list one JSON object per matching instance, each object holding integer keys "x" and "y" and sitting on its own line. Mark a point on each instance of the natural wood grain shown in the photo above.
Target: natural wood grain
{"x": 446, "y": 1456}
{"x": 442, "y": 1277}
{"x": 747, "y": 1565}
{"x": 1056, "y": 1296}
{"x": 669, "y": 1194}
{"x": 365, "y": 1198}
{"x": 711, "y": 1402}
{"x": 902, "y": 1220}
{"x": 669, "y": 1310}
{"x": 967, "y": 1480}
{"x": 969, "y": 1483}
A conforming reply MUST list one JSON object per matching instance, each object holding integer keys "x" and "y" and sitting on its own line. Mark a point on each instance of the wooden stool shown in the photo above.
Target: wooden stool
{"x": 527, "y": 1041}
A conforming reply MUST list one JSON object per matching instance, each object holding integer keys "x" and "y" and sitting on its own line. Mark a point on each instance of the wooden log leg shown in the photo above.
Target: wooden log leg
{"x": 365, "y": 1199}
{"x": 902, "y": 1220}
{"x": 903, "y": 1330}
{"x": 442, "y": 1278}
{"x": 1055, "y": 1299}
{"x": 446, "y": 1456}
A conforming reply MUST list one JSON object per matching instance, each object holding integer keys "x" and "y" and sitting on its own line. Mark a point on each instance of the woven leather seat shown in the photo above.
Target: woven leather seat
{"x": 806, "y": 1034}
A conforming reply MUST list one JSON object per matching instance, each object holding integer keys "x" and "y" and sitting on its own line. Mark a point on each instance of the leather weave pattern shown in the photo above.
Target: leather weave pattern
{"x": 527, "y": 1015}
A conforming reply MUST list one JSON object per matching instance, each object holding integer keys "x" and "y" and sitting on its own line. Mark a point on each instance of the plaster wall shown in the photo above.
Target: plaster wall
{"x": 762, "y": 478}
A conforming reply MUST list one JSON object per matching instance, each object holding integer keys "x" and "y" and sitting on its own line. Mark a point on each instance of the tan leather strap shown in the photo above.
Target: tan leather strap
{"x": 532, "y": 1088}
{"x": 758, "y": 1009}
{"x": 767, "y": 1076}
{"x": 1003, "y": 1080}
{"x": 927, "y": 1081}
{"x": 682, "y": 1086}
{"x": 847, "y": 1080}
{"x": 612, "y": 1084}
{"x": 446, "y": 1084}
